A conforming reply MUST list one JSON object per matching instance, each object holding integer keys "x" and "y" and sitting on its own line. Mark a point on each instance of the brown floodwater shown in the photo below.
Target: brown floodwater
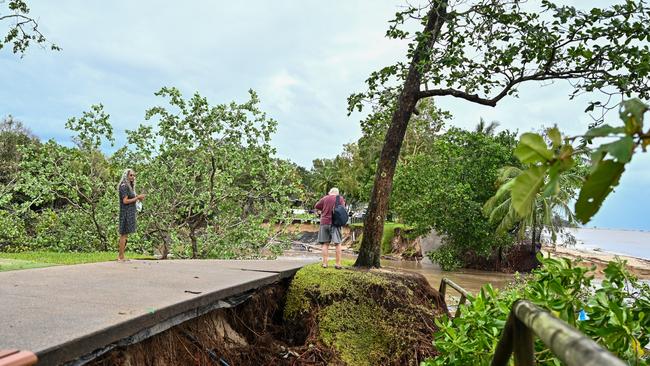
{"x": 470, "y": 280}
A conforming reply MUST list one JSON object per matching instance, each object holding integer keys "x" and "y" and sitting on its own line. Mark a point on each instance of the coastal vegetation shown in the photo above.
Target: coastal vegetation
{"x": 209, "y": 173}
{"x": 481, "y": 52}
{"x": 614, "y": 313}
{"x": 216, "y": 189}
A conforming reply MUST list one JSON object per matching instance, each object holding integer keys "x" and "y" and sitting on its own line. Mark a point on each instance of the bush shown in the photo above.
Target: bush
{"x": 446, "y": 257}
{"x": 444, "y": 188}
{"x": 12, "y": 232}
{"x": 65, "y": 230}
{"x": 617, "y": 314}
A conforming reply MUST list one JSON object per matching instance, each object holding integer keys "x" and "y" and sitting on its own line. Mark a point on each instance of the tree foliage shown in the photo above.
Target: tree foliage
{"x": 352, "y": 171}
{"x": 13, "y": 136}
{"x": 213, "y": 185}
{"x": 79, "y": 178}
{"x": 542, "y": 210}
{"x": 615, "y": 314}
{"x": 444, "y": 188}
{"x": 481, "y": 51}
{"x": 210, "y": 175}
{"x": 549, "y": 165}
{"x": 23, "y": 29}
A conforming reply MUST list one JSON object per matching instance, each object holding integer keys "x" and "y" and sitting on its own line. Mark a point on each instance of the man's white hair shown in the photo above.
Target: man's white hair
{"x": 334, "y": 191}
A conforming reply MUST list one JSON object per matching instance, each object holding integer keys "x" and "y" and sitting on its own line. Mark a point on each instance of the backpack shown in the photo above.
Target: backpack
{"x": 339, "y": 214}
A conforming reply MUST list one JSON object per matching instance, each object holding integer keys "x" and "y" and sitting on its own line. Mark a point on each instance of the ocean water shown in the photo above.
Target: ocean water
{"x": 625, "y": 242}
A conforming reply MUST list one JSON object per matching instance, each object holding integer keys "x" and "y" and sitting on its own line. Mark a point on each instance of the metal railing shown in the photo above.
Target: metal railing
{"x": 444, "y": 282}
{"x": 567, "y": 343}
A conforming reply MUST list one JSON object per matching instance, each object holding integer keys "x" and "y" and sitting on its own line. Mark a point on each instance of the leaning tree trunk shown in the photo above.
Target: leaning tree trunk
{"x": 373, "y": 227}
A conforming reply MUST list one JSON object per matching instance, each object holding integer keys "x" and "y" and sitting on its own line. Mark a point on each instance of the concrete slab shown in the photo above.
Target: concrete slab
{"x": 65, "y": 312}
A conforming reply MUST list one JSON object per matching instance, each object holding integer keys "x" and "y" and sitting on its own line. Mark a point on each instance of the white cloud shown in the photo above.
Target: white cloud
{"x": 281, "y": 90}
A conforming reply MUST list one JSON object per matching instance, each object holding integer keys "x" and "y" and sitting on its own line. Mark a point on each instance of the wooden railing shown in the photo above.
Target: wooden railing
{"x": 443, "y": 289}
{"x": 567, "y": 343}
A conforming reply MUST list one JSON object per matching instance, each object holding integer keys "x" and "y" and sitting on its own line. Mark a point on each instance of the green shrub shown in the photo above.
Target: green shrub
{"x": 446, "y": 257}
{"x": 65, "y": 231}
{"x": 12, "y": 232}
{"x": 617, "y": 314}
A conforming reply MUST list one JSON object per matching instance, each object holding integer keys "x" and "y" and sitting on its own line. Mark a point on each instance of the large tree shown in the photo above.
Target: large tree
{"x": 482, "y": 50}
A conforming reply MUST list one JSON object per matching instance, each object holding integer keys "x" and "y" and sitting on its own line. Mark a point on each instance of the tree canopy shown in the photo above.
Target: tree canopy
{"x": 445, "y": 187}
{"x": 482, "y": 51}
{"x": 213, "y": 184}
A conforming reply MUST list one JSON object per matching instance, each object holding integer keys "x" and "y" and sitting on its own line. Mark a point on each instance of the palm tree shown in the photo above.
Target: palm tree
{"x": 485, "y": 128}
{"x": 324, "y": 176}
{"x": 549, "y": 212}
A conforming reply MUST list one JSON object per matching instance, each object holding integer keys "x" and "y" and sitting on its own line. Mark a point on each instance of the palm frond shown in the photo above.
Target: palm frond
{"x": 509, "y": 221}
{"x": 499, "y": 212}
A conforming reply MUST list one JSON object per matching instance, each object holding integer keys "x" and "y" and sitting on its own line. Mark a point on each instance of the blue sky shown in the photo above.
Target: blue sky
{"x": 303, "y": 58}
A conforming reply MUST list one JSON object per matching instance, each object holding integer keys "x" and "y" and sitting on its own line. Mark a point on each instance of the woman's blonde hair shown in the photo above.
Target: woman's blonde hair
{"x": 125, "y": 180}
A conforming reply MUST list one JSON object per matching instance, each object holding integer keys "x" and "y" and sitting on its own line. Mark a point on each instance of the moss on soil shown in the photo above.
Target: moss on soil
{"x": 329, "y": 317}
{"x": 367, "y": 317}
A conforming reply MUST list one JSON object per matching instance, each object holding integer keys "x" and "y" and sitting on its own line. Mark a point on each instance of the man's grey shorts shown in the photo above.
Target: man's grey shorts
{"x": 329, "y": 234}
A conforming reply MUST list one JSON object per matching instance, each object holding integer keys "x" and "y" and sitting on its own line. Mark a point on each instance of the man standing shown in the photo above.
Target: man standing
{"x": 328, "y": 232}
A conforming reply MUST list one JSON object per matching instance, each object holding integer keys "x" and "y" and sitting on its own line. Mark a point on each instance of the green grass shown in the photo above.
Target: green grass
{"x": 305, "y": 216}
{"x": 25, "y": 260}
{"x": 16, "y": 264}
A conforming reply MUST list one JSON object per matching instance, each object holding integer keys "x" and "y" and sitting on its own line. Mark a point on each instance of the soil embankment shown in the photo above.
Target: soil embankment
{"x": 323, "y": 316}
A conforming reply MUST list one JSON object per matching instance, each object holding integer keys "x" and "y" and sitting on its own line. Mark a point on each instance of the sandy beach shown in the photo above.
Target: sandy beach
{"x": 638, "y": 266}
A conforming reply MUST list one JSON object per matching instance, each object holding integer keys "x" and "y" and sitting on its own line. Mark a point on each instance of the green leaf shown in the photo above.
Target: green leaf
{"x": 632, "y": 114}
{"x": 532, "y": 149}
{"x": 555, "y": 136}
{"x": 526, "y": 188}
{"x": 553, "y": 185}
{"x": 596, "y": 188}
{"x": 604, "y": 130}
{"x": 622, "y": 149}
{"x": 565, "y": 158}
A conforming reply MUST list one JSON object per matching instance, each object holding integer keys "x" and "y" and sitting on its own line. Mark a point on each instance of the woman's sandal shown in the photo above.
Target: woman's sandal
{"x": 324, "y": 265}
{"x": 338, "y": 267}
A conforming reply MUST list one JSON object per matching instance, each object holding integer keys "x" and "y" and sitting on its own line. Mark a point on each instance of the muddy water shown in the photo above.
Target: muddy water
{"x": 470, "y": 280}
